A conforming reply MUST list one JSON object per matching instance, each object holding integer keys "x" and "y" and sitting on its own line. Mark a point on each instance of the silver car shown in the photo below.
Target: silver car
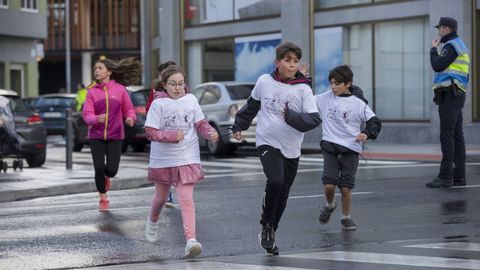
{"x": 220, "y": 101}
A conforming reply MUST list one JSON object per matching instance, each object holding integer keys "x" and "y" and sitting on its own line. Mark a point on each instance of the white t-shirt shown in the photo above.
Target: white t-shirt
{"x": 175, "y": 114}
{"x": 271, "y": 126}
{"x": 342, "y": 118}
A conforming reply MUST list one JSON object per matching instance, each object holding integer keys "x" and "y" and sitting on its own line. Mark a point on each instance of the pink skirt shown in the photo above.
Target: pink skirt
{"x": 186, "y": 174}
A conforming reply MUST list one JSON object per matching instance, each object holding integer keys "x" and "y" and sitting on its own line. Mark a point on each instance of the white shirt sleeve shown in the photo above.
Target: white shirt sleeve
{"x": 308, "y": 101}
{"x": 367, "y": 113}
{"x": 256, "y": 90}
{"x": 198, "y": 112}
{"x": 153, "y": 116}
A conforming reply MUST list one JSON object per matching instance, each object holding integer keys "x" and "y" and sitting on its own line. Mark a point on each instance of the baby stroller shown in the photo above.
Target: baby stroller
{"x": 10, "y": 141}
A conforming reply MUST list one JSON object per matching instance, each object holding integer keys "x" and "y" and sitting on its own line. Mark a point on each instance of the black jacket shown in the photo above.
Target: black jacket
{"x": 446, "y": 57}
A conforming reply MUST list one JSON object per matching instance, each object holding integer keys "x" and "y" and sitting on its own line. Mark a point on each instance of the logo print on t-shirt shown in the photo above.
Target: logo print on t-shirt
{"x": 177, "y": 120}
{"x": 276, "y": 104}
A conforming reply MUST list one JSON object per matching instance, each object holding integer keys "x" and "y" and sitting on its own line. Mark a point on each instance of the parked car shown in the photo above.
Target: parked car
{"x": 31, "y": 102}
{"x": 29, "y": 125}
{"x": 220, "y": 102}
{"x": 134, "y": 136}
{"x": 51, "y": 108}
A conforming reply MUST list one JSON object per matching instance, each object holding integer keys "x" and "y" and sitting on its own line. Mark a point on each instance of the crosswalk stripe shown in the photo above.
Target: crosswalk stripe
{"x": 231, "y": 165}
{"x": 450, "y": 245}
{"x": 386, "y": 162}
{"x": 231, "y": 266}
{"x": 321, "y": 195}
{"x": 391, "y": 259}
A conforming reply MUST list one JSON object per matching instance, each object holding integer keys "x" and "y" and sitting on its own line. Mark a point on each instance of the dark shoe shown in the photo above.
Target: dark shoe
{"x": 274, "y": 251}
{"x": 325, "y": 214}
{"x": 459, "y": 182}
{"x": 348, "y": 224}
{"x": 440, "y": 183}
{"x": 267, "y": 237}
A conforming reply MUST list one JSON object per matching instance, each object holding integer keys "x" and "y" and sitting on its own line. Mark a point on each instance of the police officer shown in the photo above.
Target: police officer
{"x": 450, "y": 61}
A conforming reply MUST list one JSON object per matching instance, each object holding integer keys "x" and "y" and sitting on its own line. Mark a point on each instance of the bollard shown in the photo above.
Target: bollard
{"x": 68, "y": 137}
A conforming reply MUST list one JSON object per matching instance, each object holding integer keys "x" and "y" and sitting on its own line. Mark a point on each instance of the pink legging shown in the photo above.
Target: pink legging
{"x": 187, "y": 207}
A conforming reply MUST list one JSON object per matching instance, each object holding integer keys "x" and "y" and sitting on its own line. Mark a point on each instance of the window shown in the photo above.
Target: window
{"x": 211, "y": 95}
{"x": 351, "y": 45}
{"x": 320, "y": 4}
{"x": 402, "y": 70}
{"x": 29, "y": 5}
{"x": 389, "y": 62}
{"x": 3, "y": 3}
{"x": 211, "y": 11}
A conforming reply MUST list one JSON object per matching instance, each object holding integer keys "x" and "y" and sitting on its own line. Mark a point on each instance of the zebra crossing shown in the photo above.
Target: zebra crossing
{"x": 398, "y": 255}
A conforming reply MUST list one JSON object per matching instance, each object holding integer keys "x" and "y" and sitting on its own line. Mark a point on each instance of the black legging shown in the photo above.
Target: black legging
{"x": 112, "y": 149}
{"x": 280, "y": 172}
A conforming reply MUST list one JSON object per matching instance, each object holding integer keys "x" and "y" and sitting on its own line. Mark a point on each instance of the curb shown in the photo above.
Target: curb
{"x": 83, "y": 187}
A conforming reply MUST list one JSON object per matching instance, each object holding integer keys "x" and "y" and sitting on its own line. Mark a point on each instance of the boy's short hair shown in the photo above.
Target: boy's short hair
{"x": 285, "y": 48}
{"x": 341, "y": 74}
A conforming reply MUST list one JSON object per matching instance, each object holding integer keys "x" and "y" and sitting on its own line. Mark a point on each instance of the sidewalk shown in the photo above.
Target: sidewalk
{"x": 53, "y": 179}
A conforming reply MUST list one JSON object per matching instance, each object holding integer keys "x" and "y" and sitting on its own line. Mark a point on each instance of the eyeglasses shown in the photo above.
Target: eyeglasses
{"x": 174, "y": 84}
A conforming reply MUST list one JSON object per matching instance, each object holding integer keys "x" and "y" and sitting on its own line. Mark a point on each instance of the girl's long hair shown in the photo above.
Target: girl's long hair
{"x": 127, "y": 71}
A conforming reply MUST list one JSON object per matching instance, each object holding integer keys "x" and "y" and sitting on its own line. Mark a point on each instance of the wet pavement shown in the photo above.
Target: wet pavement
{"x": 401, "y": 223}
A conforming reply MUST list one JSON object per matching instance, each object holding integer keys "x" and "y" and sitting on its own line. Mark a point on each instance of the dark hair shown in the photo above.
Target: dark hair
{"x": 127, "y": 71}
{"x": 285, "y": 49}
{"x": 165, "y": 65}
{"x": 341, "y": 74}
{"x": 156, "y": 85}
{"x": 170, "y": 71}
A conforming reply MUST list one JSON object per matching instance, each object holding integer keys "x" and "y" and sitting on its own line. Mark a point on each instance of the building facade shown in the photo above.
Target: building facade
{"x": 23, "y": 27}
{"x": 386, "y": 42}
{"x": 97, "y": 28}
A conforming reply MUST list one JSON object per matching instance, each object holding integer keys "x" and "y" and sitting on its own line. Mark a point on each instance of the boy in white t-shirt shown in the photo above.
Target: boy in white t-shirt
{"x": 343, "y": 111}
{"x": 286, "y": 109}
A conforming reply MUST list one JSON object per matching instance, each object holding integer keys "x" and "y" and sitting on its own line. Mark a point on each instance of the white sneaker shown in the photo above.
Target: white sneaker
{"x": 151, "y": 231}
{"x": 192, "y": 249}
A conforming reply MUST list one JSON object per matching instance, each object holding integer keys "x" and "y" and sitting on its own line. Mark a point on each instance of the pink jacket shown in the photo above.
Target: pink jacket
{"x": 111, "y": 99}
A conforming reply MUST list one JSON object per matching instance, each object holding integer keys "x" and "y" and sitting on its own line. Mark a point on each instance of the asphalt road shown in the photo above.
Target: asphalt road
{"x": 401, "y": 224}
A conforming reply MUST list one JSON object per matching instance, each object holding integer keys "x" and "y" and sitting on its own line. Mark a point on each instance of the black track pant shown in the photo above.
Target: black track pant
{"x": 451, "y": 134}
{"x": 112, "y": 149}
{"x": 280, "y": 172}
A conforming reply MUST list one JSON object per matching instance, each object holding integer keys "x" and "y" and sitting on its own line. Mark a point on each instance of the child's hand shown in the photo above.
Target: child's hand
{"x": 237, "y": 135}
{"x": 361, "y": 137}
{"x": 101, "y": 118}
{"x": 129, "y": 121}
{"x": 180, "y": 135}
{"x": 213, "y": 136}
{"x": 303, "y": 68}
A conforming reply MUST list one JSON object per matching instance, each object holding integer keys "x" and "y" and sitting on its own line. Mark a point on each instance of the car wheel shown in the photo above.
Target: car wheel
{"x": 218, "y": 147}
{"x": 139, "y": 147}
{"x": 36, "y": 160}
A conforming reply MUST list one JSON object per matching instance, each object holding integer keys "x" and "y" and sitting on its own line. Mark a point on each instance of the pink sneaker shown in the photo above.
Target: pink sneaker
{"x": 103, "y": 205}
{"x": 108, "y": 184}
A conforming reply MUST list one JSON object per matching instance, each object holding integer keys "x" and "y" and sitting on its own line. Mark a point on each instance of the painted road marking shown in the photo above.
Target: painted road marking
{"x": 450, "y": 245}
{"x": 322, "y": 195}
{"x": 391, "y": 259}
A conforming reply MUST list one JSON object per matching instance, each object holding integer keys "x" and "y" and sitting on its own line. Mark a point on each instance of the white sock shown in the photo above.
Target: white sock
{"x": 345, "y": 217}
{"x": 331, "y": 205}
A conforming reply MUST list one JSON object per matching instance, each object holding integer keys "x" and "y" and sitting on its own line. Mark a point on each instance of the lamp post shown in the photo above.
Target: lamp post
{"x": 67, "y": 47}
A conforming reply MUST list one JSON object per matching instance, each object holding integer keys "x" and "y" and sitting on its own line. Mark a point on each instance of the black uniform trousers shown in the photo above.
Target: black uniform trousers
{"x": 450, "y": 104}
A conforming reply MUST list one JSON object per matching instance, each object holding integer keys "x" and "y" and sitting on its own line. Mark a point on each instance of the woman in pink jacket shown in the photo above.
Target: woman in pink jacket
{"x": 106, "y": 107}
